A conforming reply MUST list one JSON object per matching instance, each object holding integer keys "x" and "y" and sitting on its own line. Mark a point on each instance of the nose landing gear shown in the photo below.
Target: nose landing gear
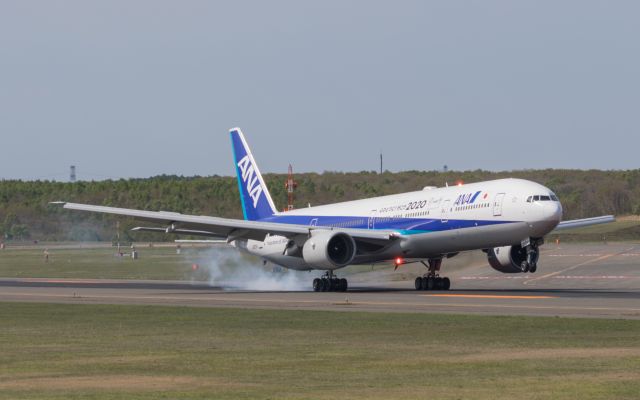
{"x": 432, "y": 280}
{"x": 330, "y": 283}
{"x": 530, "y": 264}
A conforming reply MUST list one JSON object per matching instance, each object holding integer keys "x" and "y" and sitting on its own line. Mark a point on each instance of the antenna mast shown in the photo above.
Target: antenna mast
{"x": 290, "y": 185}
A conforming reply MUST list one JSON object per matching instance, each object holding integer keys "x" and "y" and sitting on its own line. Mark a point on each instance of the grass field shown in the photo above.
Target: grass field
{"x": 136, "y": 352}
{"x": 101, "y": 263}
{"x": 154, "y": 263}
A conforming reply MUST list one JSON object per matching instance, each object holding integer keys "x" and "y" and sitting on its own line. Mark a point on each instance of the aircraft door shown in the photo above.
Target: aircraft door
{"x": 372, "y": 219}
{"x": 444, "y": 214}
{"x": 497, "y": 204}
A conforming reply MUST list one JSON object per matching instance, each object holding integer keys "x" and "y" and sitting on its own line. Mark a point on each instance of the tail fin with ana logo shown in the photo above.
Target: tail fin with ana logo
{"x": 255, "y": 197}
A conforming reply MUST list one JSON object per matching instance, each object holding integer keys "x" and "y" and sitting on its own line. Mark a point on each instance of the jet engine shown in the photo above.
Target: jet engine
{"x": 507, "y": 259}
{"x": 329, "y": 250}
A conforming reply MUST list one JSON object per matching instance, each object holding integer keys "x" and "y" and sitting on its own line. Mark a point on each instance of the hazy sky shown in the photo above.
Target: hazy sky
{"x": 140, "y": 88}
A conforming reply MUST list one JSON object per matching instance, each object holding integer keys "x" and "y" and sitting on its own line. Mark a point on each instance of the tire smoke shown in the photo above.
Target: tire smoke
{"x": 227, "y": 268}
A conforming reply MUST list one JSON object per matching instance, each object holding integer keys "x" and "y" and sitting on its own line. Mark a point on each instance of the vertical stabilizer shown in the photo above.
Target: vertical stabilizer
{"x": 256, "y": 200}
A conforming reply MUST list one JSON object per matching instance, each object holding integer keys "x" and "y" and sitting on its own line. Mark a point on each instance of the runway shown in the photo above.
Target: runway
{"x": 572, "y": 281}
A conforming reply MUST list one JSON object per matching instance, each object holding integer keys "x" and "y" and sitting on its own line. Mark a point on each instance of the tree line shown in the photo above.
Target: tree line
{"x": 25, "y": 213}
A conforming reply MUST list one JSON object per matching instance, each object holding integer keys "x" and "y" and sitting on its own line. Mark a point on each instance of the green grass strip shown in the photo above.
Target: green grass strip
{"x": 53, "y": 351}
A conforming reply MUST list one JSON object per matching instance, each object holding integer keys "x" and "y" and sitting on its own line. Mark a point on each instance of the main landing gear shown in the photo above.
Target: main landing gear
{"x": 330, "y": 283}
{"x": 432, "y": 280}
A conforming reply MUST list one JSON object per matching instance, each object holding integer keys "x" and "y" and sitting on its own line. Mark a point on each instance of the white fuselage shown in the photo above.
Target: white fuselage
{"x": 431, "y": 222}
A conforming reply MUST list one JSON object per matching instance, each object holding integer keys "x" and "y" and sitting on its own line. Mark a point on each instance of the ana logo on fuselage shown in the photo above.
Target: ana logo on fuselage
{"x": 250, "y": 179}
{"x": 468, "y": 198}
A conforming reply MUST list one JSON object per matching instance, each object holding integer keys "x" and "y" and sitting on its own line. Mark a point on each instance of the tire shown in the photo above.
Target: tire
{"x": 418, "y": 283}
{"x": 326, "y": 285}
{"x": 524, "y": 266}
{"x": 533, "y": 267}
{"x": 344, "y": 285}
{"x": 446, "y": 283}
{"x": 438, "y": 284}
{"x": 317, "y": 285}
{"x": 431, "y": 283}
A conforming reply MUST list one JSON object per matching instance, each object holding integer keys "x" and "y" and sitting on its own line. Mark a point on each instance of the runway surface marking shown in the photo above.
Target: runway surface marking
{"x": 593, "y": 277}
{"x": 487, "y": 296}
{"x": 574, "y": 255}
{"x": 66, "y": 281}
{"x": 485, "y": 278}
{"x": 346, "y": 302}
{"x": 602, "y": 258}
{"x": 591, "y": 255}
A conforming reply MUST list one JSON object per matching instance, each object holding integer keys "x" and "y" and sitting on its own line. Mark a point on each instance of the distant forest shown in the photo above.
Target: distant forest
{"x": 26, "y": 215}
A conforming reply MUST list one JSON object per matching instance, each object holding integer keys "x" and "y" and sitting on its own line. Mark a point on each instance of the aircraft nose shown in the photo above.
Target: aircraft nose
{"x": 552, "y": 211}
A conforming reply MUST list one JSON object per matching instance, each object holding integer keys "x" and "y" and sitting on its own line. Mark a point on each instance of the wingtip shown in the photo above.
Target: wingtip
{"x": 57, "y": 203}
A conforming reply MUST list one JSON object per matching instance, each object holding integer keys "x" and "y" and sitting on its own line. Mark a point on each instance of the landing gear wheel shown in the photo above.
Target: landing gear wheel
{"x": 431, "y": 283}
{"x": 432, "y": 279}
{"x": 330, "y": 283}
{"x": 533, "y": 254}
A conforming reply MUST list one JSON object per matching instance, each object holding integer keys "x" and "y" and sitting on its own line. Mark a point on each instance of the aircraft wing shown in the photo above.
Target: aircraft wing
{"x": 231, "y": 229}
{"x": 579, "y": 223}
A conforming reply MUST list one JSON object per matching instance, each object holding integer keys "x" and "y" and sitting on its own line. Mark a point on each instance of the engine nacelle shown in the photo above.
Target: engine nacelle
{"x": 329, "y": 250}
{"x": 507, "y": 259}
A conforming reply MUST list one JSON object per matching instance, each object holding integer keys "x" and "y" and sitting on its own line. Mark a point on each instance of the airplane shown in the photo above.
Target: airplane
{"x": 506, "y": 218}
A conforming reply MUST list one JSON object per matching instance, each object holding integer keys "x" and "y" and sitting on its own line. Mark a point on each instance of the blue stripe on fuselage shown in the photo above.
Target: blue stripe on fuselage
{"x": 475, "y": 196}
{"x": 406, "y": 226}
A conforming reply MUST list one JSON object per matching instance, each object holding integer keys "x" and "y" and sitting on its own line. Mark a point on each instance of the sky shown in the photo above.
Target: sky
{"x": 141, "y": 88}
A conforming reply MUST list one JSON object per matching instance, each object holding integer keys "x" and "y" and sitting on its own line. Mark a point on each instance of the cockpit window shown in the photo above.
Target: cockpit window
{"x": 542, "y": 197}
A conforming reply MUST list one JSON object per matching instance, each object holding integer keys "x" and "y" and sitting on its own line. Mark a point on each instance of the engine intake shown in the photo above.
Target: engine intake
{"x": 329, "y": 250}
{"x": 507, "y": 259}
